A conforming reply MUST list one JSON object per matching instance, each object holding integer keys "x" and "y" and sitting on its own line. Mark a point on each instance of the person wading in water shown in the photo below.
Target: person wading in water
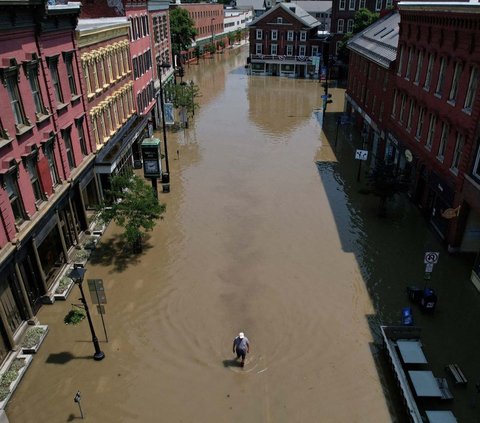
{"x": 241, "y": 347}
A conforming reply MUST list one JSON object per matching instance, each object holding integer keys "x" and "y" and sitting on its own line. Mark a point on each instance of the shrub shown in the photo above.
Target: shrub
{"x": 81, "y": 255}
{"x": 4, "y": 391}
{"x": 32, "y": 337}
{"x": 63, "y": 285}
{"x": 75, "y": 316}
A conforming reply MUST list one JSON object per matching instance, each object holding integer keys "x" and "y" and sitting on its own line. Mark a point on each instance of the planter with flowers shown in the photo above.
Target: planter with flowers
{"x": 10, "y": 376}
{"x": 33, "y": 338}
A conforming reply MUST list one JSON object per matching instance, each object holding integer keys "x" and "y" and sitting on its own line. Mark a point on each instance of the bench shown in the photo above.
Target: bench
{"x": 457, "y": 374}
{"x": 443, "y": 386}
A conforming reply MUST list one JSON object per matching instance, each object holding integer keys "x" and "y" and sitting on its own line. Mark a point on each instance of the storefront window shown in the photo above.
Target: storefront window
{"x": 10, "y": 301}
{"x": 51, "y": 255}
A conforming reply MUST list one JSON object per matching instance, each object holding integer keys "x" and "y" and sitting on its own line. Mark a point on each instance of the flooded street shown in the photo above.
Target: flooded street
{"x": 266, "y": 233}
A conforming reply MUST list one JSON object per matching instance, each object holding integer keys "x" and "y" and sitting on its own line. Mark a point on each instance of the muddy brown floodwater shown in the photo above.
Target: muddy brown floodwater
{"x": 256, "y": 238}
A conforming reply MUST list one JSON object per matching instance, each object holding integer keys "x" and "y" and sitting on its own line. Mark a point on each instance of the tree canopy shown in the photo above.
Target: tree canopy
{"x": 133, "y": 206}
{"x": 182, "y": 29}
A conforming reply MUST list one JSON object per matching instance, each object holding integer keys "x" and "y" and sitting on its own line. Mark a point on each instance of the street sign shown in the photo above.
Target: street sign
{"x": 429, "y": 268}
{"x": 431, "y": 257}
{"x": 97, "y": 291}
{"x": 361, "y": 155}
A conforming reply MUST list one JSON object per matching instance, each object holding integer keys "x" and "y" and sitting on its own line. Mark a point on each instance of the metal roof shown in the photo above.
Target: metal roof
{"x": 96, "y": 23}
{"x": 315, "y": 6}
{"x": 379, "y": 41}
{"x": 254, "y": 4}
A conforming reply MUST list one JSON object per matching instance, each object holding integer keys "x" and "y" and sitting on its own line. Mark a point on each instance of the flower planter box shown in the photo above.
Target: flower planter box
{"x": 32, "y": 349}
{"x": 6, "y": 392}
{"x": 62, "y": 294}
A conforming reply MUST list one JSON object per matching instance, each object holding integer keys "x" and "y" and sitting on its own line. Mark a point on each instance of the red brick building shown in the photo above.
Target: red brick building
{"x": 432, "y": 129}
{"x": 45, "y": 157}
{"x": 283, "y": 41}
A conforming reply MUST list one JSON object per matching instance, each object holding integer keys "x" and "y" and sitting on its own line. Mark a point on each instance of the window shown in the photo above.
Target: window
{"x": 273, "y": 49}
{"x": 410, "y": 115}
{"x": 279, "y": 20}
{"x": 452, "y": 96}
{"x": 362, "y": 4}
{"x": 428, "y": 76}
{"x": 258, "y": 49}
{"x": 303, "y": 35}
{"x": 476, "y": 166}
{"x": 15, "y": 100}
{"x": 274, "y": 35}
{"x": 351, "y": 5}
{"x": 57, "y": 88}
{"x": 289, "y": 35}
{"x": 419, "y": 66}
{"x": 340, "y": 25}
{"x": 394, "y": 104}
{"x": 68, "y": 58}
{"x": 258, "y": 34}
{"x": 289, "y": 50}
{"x": 31, "y": 165}
{"x": 421, "y": 117}
{"x": 378, "y": 5}
{"x": 388, "y": 4}
{"x": 400, "y": 61}
{"x": 441, "y": 77}
{"x": 472, "y": 88}
{"x": 341, "y": 5}
{"x": 32, "y": 75}
{"x": 11, "y": 186}
{"x": 302, "y": 50}
{"x": 314, "y": 50}
{"x": 431, "y": 131}
{"x": 402, "y": 107}
{"x": 457, "y": 154}
{"x": 409, "y": 63}
{"x": 350, "y": 25}
{"x": 81, "y": 137}
{"x": 385, "y": 81}
{"x": 51, "y": 164}
{"x": 66, "y": 134}
{"x": 443, "y": 141}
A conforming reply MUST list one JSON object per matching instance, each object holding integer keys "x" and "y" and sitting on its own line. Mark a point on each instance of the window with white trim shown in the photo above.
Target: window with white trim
{"x": 394, "y": 104}
{"x": 274, "y": 35}
{"x": 341, "y": 5}
{"x": 471, "y": 90}
{"x": 259, "y": 34}
{"x": 409, "y": 63}
{"x": 11, "y": 187}
{"x": 441, "y": 76}
{"x": 67, "y": 139}
{"x": 57, "y": 88}
{"x": 351, "y": 5}
{"x": 258, "y": 49}
{"x": 443, "y": 141}
{"x": 388, "y": 4}
{"x": 273, "y": 49}
{"x": 279, "y": 20}
{"x": 289, "y": 35}
{"x": 52, "y": 165}
{"x": 350, "y": 26}
{"x": 68, "y": 59}
{"x": 303, "y": 35}
{"x": 418, "y": 72}
{"x": 457, "y": 154}
{"x": 11, "y": 83}
{"x": 452, "y": 96}
{"x": 302, "y": 50}
{"x": 431, "y": 131}
{"x": 410, "y": 115}
{"x": 476, "y": 166}
{"x": 31, "y": 165}
{"x": 378, "y": 5}
{"x": 289, "y": 51}
{"x": 340, "y": 26}
{"x": 81, "y": 136}
{"x": 402, "y": 108}
{"x": 362, "y": 4}
{"x": 314, "y": 50}
{"x": 428, "y": 76}
{"x": 421, "y": 118}
{"x": 400, "y": 61}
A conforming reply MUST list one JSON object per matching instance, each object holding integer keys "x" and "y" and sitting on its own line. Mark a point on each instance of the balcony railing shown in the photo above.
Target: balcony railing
{"x": 282, "y": 58}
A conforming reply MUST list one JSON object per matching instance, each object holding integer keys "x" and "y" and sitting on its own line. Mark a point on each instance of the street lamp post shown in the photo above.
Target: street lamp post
{"x": 166, "y": 174}
{"x": 192, "y": 86}
{"x": 77, "y": 275}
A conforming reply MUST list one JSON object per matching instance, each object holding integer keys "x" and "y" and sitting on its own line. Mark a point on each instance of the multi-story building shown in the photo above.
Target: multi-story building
{"x": 283, "y": 41}
{"x": 208, "y": 19}
{"x": 343, "y": 15}
{"x": 141, "y": 57}
{"x": 321, "y": 10}
{"x": 45, "y": 156}
{"x": 431, "y": 127}
{"x": 103, "y": 48}
{"x": 370, "y": 82}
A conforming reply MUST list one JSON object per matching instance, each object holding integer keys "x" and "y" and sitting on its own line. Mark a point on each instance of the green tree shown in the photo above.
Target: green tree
{"x": 133, "y": 207}
{"x": 363, "y": 19}
{"x": 231, "y": 38}
{"x": 197, "y": 52}
{"x": 183, "y": 95}
{"x": 238, "y": 35}
{"x": 182, "y": 29}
